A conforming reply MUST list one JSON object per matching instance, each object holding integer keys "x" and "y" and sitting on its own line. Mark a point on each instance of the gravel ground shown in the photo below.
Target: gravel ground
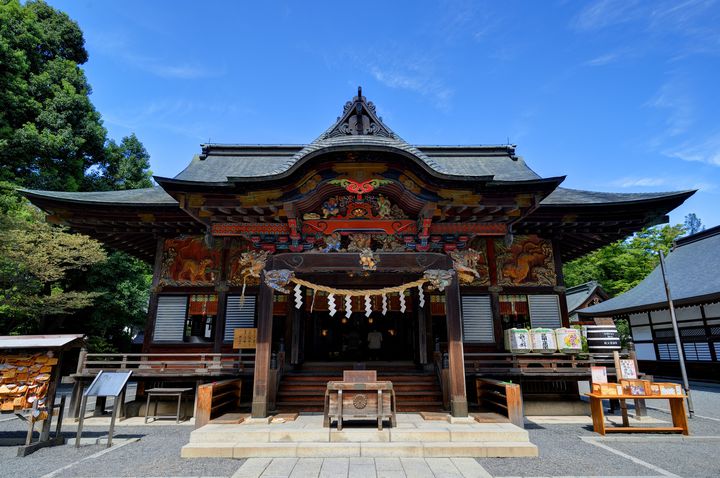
{"x": 562, "y": 451}
{"x": 157, "y": 453}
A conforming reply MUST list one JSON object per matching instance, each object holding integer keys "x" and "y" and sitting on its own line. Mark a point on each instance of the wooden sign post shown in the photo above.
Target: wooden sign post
{"x": 244, "y": 338}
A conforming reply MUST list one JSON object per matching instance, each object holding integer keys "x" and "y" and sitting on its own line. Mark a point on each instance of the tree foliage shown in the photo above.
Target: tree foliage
{"x": 51, "y": 137}
{"x": 35, "y": 261}
{"x": 125, "y": 166}
{"x": 50, "y": 132}
{"x": 620, "y": 266}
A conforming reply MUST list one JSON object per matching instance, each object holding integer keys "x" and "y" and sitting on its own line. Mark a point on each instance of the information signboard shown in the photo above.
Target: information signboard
{"x": 108, "y": 384}
{"x": 245, "y": 338}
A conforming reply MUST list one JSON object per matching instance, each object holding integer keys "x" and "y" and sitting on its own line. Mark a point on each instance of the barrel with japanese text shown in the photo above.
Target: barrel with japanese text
{"x": 602, "y": 338}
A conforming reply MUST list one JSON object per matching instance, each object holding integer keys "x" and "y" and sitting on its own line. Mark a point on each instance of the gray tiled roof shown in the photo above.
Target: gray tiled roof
{"x": 578, "y": 196}
{"x": 692, "y": 271}
{"x": 575, "y": 296}
{"x": 147, "y": 196}
{"x": 228, "y": 161}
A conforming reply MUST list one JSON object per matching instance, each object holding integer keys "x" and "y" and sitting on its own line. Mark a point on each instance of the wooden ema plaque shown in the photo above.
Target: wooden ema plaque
{"x": 245, "y": 338}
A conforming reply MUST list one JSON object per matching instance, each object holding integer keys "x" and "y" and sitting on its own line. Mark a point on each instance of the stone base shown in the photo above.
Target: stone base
{"x": 412, "y": 437}
{"x": 557, "y": 408}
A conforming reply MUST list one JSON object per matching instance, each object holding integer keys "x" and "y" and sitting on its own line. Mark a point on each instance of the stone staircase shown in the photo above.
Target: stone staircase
{"x": 412, "y": 437}
{"x": 415, "y": 390}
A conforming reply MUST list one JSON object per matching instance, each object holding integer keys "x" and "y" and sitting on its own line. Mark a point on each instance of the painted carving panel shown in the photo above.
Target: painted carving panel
{"x": 189, "y": 262}
{"x": 528, "y": 261}
{"x": 471, "y": 264}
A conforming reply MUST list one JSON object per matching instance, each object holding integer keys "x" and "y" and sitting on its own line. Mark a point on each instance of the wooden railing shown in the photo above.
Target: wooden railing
{"x": 503, "y": 397}
{"x": 215, "y": 398}
{"x": 185, "y": 364}
{"x": 537, "y": 364}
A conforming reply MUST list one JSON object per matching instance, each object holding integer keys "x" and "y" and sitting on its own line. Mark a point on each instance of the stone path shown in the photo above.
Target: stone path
{"x": 361, "y": 468}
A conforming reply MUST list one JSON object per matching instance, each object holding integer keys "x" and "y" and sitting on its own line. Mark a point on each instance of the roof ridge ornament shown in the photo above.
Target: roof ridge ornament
{"x": 359, "y": 118}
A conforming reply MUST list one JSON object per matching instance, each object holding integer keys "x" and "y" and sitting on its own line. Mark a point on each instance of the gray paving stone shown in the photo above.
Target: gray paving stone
{"x": 388, "y": 464}
{"x": 279, "y": 468}
{"x": 416, "y": 468}
{"x": 443, "y": 468}
{"x": 335, "y": 468}
{"x": 307, "y": 468}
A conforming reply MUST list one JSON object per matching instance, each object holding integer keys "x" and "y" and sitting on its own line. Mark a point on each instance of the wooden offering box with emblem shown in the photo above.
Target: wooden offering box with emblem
{"x": 359, "y": 396}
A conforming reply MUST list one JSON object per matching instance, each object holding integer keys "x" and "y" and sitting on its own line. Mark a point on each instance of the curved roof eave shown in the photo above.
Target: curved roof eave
{"x": 104, "y": 198}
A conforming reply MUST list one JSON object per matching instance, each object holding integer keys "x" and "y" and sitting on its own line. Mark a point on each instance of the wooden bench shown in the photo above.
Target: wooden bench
{"x": 215, "y": 398}
{"x": 503, "y": 397}
{"x": 359, "y": 396}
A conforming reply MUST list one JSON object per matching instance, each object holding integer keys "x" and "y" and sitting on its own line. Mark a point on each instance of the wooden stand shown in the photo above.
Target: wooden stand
{"x": 677, "y": 410}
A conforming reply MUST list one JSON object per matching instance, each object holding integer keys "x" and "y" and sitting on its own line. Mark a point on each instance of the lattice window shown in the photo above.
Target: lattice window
{"x": 477, "y": 319}
{"x": 667, "y": 352}
{"x": 240, "y": 314}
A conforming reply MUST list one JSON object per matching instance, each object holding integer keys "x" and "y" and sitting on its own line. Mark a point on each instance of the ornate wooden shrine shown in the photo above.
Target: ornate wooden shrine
{"x": 436, "y": 247}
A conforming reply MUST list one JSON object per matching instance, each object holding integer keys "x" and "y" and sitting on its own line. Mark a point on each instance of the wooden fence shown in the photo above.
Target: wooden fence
{"x": 179, "y": 364}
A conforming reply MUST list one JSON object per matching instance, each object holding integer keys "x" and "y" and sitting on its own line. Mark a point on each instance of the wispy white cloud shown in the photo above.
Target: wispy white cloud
{"x": 667, "y": 183}
{"x": 606, "y": 13}
{"x": 603, "y": 60}
{"x": 674, "y": 98}
{"x": 630, "y": 182}
{"x": 117, "y": 45}
{"x": 707, "y": 151}
{"x": 415, "y": 81}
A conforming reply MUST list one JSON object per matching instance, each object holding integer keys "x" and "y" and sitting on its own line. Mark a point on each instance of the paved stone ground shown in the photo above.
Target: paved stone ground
{"x": 565, "y": 450}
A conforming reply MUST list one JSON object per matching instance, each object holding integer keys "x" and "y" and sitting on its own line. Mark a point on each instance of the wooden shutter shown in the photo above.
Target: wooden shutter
{"x": 239, "y": 315}
{"x": 544, "y": 311}
{"x": 170, "y": 318}
{"x": 477, "y": 319}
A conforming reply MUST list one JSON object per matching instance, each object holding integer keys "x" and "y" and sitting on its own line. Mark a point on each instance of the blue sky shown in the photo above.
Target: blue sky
{"x": 619, "y": 95}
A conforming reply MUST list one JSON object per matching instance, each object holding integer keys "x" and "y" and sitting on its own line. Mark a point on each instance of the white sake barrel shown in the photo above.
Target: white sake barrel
{"x": 568, "y": 340}
{"x": 543, "y": 340}
{"x": 517, "y": 341}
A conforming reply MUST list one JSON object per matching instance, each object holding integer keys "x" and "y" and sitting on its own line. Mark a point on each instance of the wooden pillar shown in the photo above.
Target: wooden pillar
{"x": 423, "y": 317}
{"x": 154, "y": 289}
{"x": 297, "y": 332}
{"x": 221, "y": 288}
{"x": 263, "y": 351}
{"x": 560, "y": 288}
{"x": 456, "y": 371}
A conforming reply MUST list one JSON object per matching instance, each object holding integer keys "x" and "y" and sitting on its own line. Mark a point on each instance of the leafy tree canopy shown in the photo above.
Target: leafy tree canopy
{"x": 50, "y": 132}
{"x": 621, "y": 265}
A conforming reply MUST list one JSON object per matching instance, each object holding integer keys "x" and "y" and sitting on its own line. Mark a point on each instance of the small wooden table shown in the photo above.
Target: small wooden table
{"x": 165, "y": 392}
{"x": 677, "y": 410}
{"x": 364, "y": 400}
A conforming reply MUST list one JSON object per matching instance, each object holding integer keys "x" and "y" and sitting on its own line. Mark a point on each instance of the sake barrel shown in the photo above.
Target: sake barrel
{"x": 517, "y": 341}
{"x": 568, "y": 340}
{"x": 543, "y": 340}
{"x": 602, "y": 338}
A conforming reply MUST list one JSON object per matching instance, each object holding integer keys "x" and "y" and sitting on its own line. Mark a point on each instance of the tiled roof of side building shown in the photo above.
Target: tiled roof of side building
{"x": 565, "y": 196}
{"x": 154, "y": 196}
{"x": 692, "y": 276}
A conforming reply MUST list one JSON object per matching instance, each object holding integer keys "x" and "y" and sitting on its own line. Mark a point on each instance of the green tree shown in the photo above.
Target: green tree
{"x": 126, "y": 166}
{"x": 36, "y": 259}
{"x": 693, "y": 224}
{"x": 50, "y": 133}
{"x": 620, "y": 266}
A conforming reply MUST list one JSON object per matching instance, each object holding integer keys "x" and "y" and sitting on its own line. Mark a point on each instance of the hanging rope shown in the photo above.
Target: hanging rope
{"x": 360, "y": 292}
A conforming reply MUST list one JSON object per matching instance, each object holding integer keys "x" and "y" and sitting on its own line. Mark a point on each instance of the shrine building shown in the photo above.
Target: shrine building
{"x": 355, "y": 250}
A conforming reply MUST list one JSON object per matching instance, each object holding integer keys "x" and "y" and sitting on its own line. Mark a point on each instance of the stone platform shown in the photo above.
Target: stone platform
{"x": 413, "y": 437}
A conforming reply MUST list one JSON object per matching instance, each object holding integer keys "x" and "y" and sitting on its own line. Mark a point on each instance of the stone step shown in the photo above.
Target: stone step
{"x": 353, "y": 449}
{"x": 276, "y": 434}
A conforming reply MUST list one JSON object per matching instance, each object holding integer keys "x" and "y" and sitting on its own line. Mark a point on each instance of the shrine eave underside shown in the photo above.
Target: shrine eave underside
{"x": 135, "y": 226}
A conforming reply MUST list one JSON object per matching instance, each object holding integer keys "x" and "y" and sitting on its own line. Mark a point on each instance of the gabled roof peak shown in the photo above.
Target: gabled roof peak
{"x": 359, "y": 118}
